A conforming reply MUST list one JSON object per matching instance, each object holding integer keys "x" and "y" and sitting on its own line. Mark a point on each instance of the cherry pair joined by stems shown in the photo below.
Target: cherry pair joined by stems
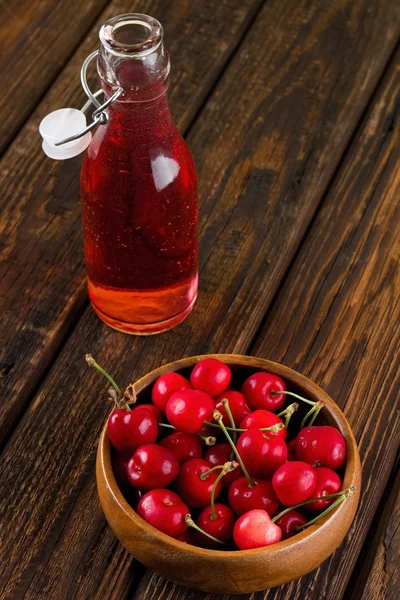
{"x": 216, "y": 521}
{"x": 256, "y": 529}
{"x": 337, "y": 497}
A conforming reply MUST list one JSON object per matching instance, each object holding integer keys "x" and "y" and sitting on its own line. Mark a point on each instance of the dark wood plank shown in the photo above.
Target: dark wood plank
{"x": 337, "y": 320}
{"x": 35, "y": 44}
{"x": 41, "y": 248}
{"x": 378, "y": 576}
{"x": 257, "y": 166}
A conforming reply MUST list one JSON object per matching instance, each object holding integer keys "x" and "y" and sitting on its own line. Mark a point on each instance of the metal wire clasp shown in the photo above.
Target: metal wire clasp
{"x": 100, "y": 115}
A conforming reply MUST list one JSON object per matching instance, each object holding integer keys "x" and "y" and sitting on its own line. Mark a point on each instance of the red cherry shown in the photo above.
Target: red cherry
{"x": 294, "y": 482}
{"x": 263, "y": 418}
{"x": 165, "y": 386}
{"x": 164, "y": 510}
{"x": 288, "y": 523}
{"x": 151, "y": 467}
{"x": 119, "y": 465}
{"x": 291, "y": 448}
{"x": 262, "y": 452}
{"x": 220, "y": 528}
{"x": 328, "y": 482}
{"x": 237, "y": 405}
{"x": 187, "y": 537}
{"x": 188, "y": 409}
{"x": 321, "y": 446}
{"x": 255, "y": 529}
{"x": 151, "y": 408}
{"x": 243, "y": 498}
{"x": 211, "y": 376}
{"x": 128, "y": 430}
{"x": 184, "y": 445}
{"x": 258, "y": 387}
{"x": 219, "y": 455}
{"x": 196, "y": 492}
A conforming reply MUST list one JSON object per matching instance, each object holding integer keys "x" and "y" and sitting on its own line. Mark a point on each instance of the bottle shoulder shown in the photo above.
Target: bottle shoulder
{"x": 157, "y": 163}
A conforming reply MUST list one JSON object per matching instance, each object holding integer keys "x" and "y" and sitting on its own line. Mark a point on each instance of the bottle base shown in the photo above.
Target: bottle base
{"x": 144, "y": 328}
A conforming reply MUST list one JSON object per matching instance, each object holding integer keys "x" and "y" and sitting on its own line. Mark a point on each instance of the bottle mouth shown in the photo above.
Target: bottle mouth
{"x": 131, "y": 35}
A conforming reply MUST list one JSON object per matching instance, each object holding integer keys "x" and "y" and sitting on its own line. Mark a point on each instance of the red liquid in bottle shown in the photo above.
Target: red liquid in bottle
{"x": 140, "y": 213}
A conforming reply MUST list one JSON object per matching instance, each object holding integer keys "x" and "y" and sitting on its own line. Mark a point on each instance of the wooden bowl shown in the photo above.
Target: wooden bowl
{"x": 233, "y": 572}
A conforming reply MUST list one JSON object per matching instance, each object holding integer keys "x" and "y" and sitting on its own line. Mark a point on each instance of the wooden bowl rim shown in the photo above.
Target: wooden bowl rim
{"x": 351, "y": 477}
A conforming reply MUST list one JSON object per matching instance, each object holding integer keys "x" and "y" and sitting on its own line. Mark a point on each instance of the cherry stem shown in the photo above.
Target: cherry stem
{"x": 92, "y": 363}
{"x": 226, "y": 468}
{"x": 288, "y": 410}
{"x": 273, "y": 429}
{"x": 225, "y": 404}
{"x": 209, "y": 440}
{"x": 167, "y": 425}
{"x": 190, "y": 523}
{"x": 318, "y": 407}
{"x": 130, "y": 394}
{"x": 312, "y": 414}
{"x": 344, "y": 493}
{"x": 218, "y": 417}
{"x": 204, "y": 475}
{"x": 287, "y": 393}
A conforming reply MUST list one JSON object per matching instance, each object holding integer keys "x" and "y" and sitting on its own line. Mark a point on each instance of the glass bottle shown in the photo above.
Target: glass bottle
{"x": 139, "y": 189}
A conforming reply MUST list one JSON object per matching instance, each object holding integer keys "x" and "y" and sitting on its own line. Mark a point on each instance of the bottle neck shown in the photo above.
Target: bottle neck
{"x": 143, "y": 115}
{"x": 132, "y": 57}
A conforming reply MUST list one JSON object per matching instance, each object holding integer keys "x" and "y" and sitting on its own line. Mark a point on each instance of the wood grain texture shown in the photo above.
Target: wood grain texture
{"x": 266, "y": 146}
{"x": 42, "y": 278}
{"x": 378, "y": 576}
{"x": 35, "y": 44}
{"x": 336, "y": 319}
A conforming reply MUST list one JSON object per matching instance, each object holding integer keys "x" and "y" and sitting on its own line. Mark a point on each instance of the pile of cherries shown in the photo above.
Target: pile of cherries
{"x": 212, "y": 466}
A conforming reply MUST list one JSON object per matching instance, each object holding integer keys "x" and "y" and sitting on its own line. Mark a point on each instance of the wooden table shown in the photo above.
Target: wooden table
{"x": 291, "y": 109}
